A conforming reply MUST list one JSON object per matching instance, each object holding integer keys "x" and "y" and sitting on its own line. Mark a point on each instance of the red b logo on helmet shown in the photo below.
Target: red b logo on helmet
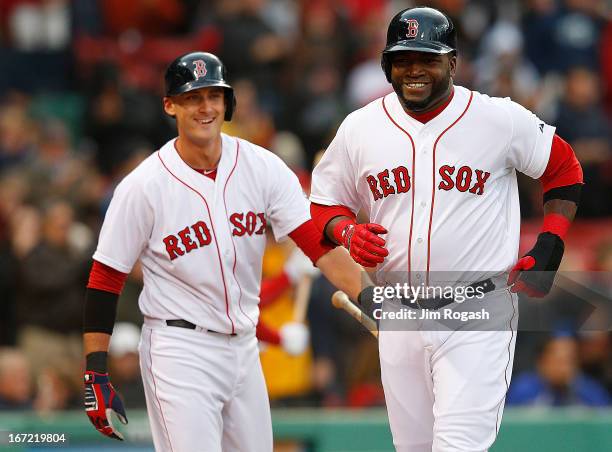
{"x": 413, "y": 28}
{"x": 200, "y": 68}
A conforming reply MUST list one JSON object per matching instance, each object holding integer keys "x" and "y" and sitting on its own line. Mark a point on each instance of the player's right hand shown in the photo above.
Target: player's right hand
{"x": 101, "y": 400}
{"x": 363, "y": 243}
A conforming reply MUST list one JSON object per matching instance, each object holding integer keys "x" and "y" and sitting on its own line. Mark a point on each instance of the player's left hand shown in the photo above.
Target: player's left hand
{"x": 534, "y": 273}
{"x": 100, "y": 401}
{"x": 294, "y": 338}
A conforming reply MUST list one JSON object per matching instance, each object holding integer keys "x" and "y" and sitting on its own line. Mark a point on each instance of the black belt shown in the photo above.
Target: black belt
{"x": 486, "y": 285}
{"x": 180, "y": 323}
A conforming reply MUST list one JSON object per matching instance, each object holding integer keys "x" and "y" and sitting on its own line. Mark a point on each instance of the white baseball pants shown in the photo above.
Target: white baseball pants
{"x": 205, "y": 391}
{"x": 445, "y": 389}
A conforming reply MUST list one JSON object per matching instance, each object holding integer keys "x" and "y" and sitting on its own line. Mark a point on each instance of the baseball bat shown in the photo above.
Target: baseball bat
{"x": 341, "y": 301}
{"x": 301, "y": 299}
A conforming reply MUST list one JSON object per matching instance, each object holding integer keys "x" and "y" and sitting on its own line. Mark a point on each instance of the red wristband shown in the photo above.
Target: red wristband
{"x": 556, "y": 224}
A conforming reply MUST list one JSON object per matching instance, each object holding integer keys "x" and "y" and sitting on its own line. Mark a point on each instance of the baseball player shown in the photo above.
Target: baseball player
{"x": 195, "y": 214}
{"x": 434, "y": 166}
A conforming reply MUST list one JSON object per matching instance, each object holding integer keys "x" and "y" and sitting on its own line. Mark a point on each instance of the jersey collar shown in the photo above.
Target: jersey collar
{"x": 444, "y": 115}
{"x": 173, "y": 161}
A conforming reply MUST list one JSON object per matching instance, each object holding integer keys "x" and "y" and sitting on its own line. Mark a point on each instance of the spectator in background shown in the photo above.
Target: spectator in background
{"x": 289, "y": 148}
{"x": 596, "y": 357}
{"x": 250, "y": 48}
{"x": 365, "y": 81}
{"x": 538, "y": 24}
{"x": 13, "y": 190}
{"x": 56, "y": 171}
{"x": 50, "y": 294}
{"x": 117, "y": 115}
{"x": 16, "y": 132}
{"x": 15, "y": 381}
{"x": 250, "y": 121}
{"x": 320, "y": 105}
{"x": 583, "y": 123}
{"x": 502, "y": 71}
{"x": 576, "y": 34}
{"x": 557, "y": 380}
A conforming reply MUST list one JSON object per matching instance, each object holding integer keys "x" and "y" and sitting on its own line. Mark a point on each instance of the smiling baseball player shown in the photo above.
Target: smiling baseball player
{"x": 435, "y": 165}
{"x": 195, "y": 214}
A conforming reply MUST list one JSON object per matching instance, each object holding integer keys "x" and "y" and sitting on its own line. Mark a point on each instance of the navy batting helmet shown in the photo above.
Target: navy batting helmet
{"x": 420, "y": 30}
{"x": 199, "y": 70}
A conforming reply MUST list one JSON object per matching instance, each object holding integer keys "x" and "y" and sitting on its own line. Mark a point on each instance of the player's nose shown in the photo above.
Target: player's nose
{"x": 206, "y": 106}
{"x": 414, "y": 69}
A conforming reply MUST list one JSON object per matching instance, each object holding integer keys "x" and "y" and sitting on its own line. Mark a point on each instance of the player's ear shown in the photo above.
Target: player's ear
{"x": 168, "y": 106}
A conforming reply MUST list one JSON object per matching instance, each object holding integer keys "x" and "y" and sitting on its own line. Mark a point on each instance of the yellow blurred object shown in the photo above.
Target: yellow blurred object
{"x": 286, "y": 376}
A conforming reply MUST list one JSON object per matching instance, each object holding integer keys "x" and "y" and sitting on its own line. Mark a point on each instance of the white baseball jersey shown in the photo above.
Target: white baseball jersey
{"x": 201, "y": 241}
{"x": 446, "y": 190}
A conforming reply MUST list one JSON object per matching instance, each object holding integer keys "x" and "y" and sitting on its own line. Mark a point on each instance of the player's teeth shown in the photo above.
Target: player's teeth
{"x": 416, "y": 85}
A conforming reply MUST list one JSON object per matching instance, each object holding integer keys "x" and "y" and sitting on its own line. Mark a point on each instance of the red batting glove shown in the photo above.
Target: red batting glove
{"x": 362, "y": 241}
{"x": 100, "y": 401}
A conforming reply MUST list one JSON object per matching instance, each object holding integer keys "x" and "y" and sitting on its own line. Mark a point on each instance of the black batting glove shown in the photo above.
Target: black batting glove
{"x": 534, "y": 273}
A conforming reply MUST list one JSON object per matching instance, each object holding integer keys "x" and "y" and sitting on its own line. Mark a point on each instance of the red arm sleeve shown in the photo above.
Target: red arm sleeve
{"x": 266, "y": 334}
{"x": 103, "y": 277}
{"x": 310, "y": 240}
{"x": 563, "y": 168}
{"x": 321, "y": 215}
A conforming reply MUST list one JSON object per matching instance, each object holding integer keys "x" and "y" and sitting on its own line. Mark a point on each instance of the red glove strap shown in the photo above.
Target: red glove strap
{"x": 339, "y": 228}
{"x": 556, "y": 224}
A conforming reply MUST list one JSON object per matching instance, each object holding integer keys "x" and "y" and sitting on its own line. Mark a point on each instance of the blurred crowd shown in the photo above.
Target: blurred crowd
{"x": 80, "y": 106}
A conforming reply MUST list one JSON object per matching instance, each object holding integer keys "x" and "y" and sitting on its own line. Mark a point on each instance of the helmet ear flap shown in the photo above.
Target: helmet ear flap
{"x": 385, "y": 64}
{"x": 230, "y": 104}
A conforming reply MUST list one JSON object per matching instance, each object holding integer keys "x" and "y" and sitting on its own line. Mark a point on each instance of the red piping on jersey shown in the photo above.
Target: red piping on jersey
{"x": 212, "y": 225}
{"x": 413, "y": 189}
{"x": 231, "y": 239}
{"x": 155, "y": 389}
{"x": 433, "y": 190}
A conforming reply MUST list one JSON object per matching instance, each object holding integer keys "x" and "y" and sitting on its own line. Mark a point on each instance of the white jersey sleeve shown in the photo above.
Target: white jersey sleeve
{"x": 334, "y": 178}
{"x": 530, "y": 142}
{"x": 127, "y": 226}
{"x": 287, "y": 206}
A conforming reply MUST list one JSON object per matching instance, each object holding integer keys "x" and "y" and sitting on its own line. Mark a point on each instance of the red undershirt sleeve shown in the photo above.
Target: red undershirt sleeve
{"x": 103, "y": 277}
{"x": 563, "y": 168}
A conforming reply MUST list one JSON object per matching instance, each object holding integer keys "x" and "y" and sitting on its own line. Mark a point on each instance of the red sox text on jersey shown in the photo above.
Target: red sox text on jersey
{"x": 198, "y": 234}
{"x": 397, "y": 180}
